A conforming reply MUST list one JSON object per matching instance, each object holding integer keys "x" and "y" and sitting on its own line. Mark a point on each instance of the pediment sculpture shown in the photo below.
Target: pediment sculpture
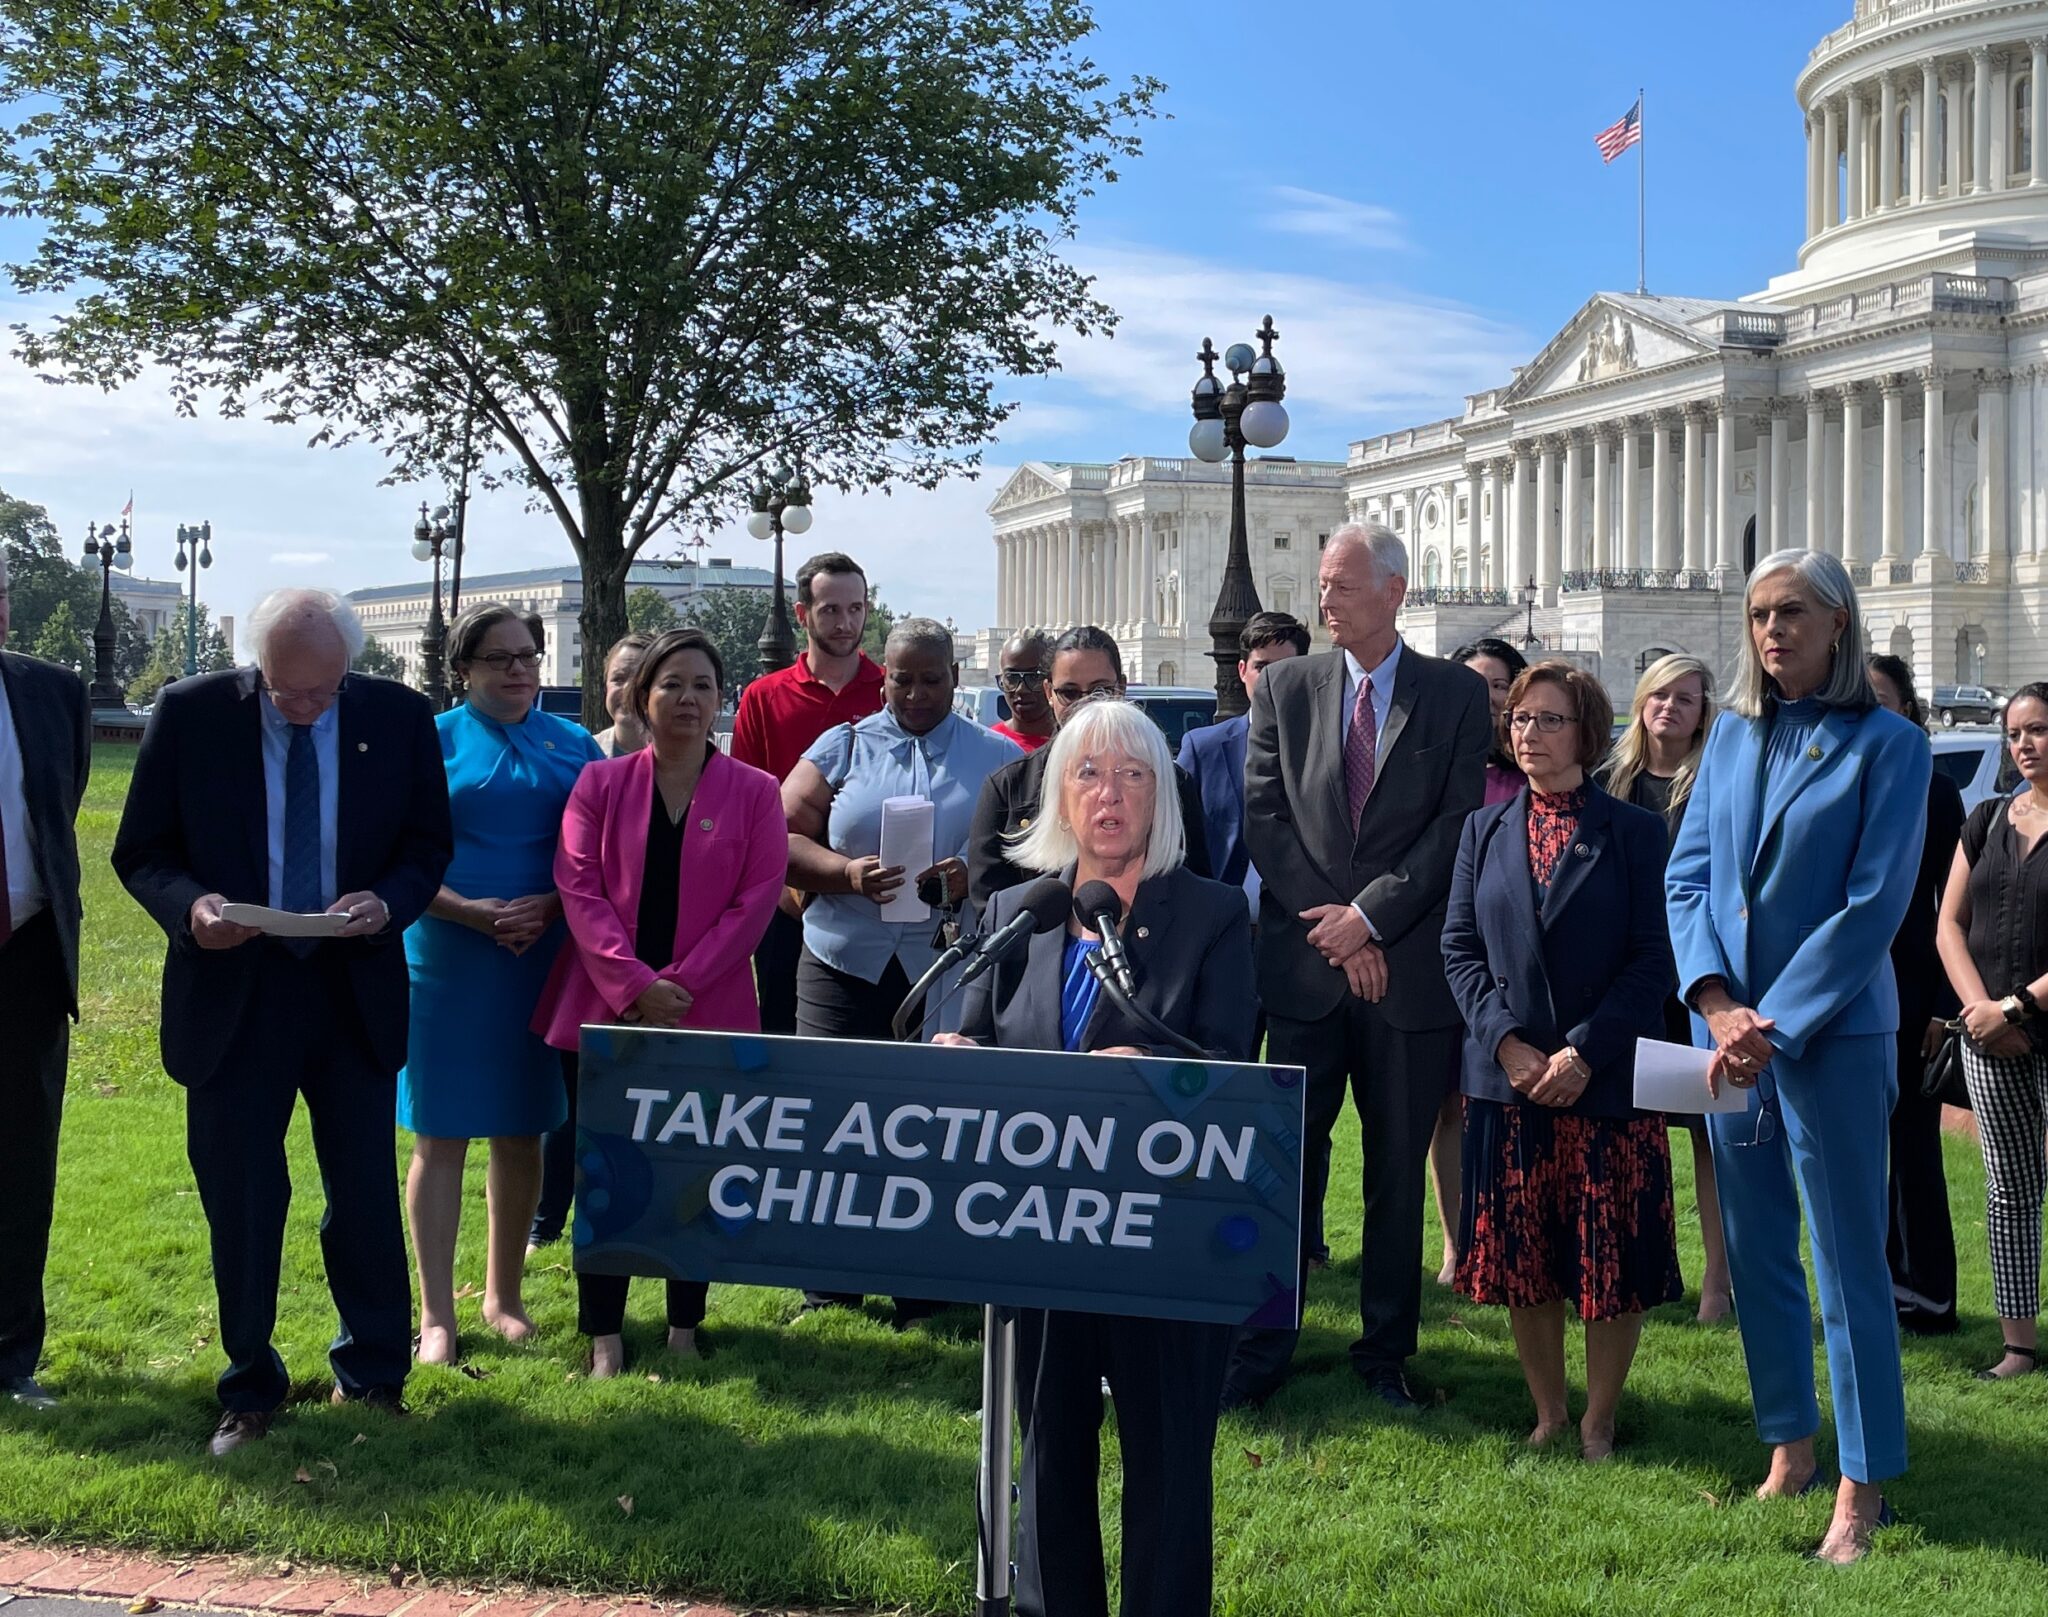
{"x": 1610, "y": 350}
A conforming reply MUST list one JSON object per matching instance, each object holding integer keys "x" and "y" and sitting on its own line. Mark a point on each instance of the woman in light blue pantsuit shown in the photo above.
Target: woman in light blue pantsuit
{"x": 1789, "y": 880}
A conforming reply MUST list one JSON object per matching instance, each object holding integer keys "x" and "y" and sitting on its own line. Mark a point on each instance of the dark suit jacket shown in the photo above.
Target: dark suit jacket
{"x": 1190, "y": 944}
{"x": 53, "y": 722}
{"x": 1214, "y": 756}
{"x": 1924, "y": 992}
{"x": 196, "y": 822}
{"x": 1432, "y": 774}
{"x": 1009, "y": 803}
{"x": 1591, "y": 967}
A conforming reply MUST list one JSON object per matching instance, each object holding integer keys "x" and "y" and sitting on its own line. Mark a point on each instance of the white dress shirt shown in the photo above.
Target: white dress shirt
{"x": 1382, "y": 681}
{"x": 25, "y": 898}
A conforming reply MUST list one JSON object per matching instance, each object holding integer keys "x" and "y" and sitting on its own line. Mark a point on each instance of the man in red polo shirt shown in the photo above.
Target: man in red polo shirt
{"x": 831, "y": 682}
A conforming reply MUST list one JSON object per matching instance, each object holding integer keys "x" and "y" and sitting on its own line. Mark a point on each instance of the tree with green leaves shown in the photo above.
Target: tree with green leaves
{"x": 876, "y": 635}
{"x": 132, "y": 645}
{"x": 59, "y": 640}
{"x": 167, "y": 654}
{"x": 621, "y": 252}
{"x": 41, "y": 578}
{"x": 648, "y": 611}
{"x": 732, "y": 616}
{"x": 376, "y": 658}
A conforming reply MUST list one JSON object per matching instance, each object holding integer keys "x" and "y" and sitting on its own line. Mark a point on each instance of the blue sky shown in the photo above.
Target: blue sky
{"x": 1411, "y": 191}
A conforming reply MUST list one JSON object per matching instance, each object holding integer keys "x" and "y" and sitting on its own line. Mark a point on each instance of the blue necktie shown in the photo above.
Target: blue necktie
{"x": 302, "y": 893}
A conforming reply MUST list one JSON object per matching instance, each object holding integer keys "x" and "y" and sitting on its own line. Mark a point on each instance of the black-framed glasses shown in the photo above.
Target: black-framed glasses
{"x": 278, "y": 693}
{"x": 1070, "y": 694}
{"x": 1548, "y": 723}
{"x": 1017, "y": 679}
{"x": 503, "y": 662}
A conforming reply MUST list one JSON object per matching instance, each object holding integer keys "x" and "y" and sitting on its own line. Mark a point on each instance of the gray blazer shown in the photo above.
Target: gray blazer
{"x": 1397, "y": 868}
{"x": 1190, "y": 944}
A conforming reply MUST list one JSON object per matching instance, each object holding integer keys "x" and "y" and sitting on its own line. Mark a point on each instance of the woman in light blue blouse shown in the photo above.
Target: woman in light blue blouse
{"x": 856, "y": 967}
{"x": 1792, "y": 872}
{"x": 478, "y": 959}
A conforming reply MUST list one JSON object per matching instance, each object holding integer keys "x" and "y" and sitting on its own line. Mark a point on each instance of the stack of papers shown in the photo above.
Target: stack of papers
{"x": 907, "y": 824}
{"x": 1673, "y": 1078}
{"x": 283, "y": 923}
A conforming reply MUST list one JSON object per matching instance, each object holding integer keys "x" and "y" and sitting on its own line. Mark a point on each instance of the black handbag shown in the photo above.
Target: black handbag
{"x": 1942, "y": 1078}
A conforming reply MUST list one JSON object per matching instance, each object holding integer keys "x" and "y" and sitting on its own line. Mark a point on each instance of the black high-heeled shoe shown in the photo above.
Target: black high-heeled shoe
{"x": 2031, "y": 1355}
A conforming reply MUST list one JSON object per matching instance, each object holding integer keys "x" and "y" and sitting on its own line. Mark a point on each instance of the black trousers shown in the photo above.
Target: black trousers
{"x": 775, "y": 967}
{"x": 34, "y": 1047}
{"x": 1166, "y": 1377}
{"x": 303, "y": 1036}
{"x": 834, "y": 1004}
{"x": 601, "y": 1303}
{"x": 1397, "y": 1081}
{"x": 1920, "y": 1245}
{"x": 557, "y": 1168}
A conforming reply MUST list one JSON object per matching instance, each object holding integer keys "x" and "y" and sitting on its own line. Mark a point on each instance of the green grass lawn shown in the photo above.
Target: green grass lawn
{"x": 830, "y": 1460}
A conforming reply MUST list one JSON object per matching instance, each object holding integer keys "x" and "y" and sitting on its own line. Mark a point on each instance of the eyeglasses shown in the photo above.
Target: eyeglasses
{"x": 1018, "y": 679}
{"x": 503, "y": 662}
{"x": 301, "y": 698}
{"x": 1548, "y": 723}
{"x": 1070, "y": 694}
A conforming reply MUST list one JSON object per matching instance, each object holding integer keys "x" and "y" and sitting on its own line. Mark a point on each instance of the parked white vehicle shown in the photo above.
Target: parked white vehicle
{"x": 1976, "y": 760}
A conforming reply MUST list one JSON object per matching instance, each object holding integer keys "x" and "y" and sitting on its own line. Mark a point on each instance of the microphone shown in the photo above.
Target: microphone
{"x": 1045, "y": 906}
{"x": 1098, "y": 908}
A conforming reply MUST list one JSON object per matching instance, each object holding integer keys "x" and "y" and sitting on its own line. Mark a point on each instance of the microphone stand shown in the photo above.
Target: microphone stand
{"x": 1105, "y": 974}
{"x": 899, "y": 1024}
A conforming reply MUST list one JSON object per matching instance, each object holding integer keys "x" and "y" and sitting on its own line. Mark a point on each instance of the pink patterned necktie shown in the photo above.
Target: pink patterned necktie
{"x": 1361, "y": 746}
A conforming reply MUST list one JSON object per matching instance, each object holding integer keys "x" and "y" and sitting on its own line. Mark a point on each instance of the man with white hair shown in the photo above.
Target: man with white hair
{"x": 1360, "y": 769}
{"x": 45, "y": 752}
{"x": 298, "y": 786}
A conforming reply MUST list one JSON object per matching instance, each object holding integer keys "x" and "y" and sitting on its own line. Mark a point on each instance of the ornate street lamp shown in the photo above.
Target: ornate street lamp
{"x": 1529, "y": 597}
{"x": 1248, "y": 411}
{"x": 431, "y": 536}
{"x": 782, "y": 504}
{"x": 109, "y": 546}
{"x": 199, "y": 540}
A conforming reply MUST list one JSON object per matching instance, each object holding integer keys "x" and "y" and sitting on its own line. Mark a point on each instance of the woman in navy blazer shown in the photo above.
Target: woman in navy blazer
{"x": 1794, "y": 868}
{"x": 1556, "y": 951}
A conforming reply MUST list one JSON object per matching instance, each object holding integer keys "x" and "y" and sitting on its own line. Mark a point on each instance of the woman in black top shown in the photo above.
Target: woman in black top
{"x": 1921, "y": 1243}
{"x": 1994, "y": 942}
{"x": 1652, "y": 766}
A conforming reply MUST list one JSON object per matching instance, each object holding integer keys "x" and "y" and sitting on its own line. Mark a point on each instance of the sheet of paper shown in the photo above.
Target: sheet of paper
{"x": 1673, "y": 1078}
{"x": 283, "y": 923}
{"x": 907, "y": 841}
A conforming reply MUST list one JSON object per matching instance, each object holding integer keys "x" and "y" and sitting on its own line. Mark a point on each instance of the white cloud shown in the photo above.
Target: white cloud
{"x": 301, "y": 558}
{"x": 1332, "y": 218}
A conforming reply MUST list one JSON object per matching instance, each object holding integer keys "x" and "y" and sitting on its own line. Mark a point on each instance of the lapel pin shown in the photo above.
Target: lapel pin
{"x": 1144, "y": 932}
{"x": 703, "y": 825}
{"x": 1024, "y": 825}
{"x": 1813, "y": 752}
{"x": 1581, "y": 850}
{"x": 549, "y": 745}
{"x": 362, "y": 746}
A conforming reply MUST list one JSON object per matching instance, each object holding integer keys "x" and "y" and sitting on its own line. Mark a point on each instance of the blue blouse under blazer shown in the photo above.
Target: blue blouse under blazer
{"x": 1589, "y": 966}
{"x": 1794, "y": 894}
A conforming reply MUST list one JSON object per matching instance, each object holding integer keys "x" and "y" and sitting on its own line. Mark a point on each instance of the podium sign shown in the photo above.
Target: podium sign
{"x": 1107, "y": 1184}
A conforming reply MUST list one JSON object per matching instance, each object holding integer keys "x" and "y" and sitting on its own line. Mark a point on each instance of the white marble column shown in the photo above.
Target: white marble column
{"x": 1892, "y": 469}
{"x": 1813, "y": 219}
{"x": 1072, "y": 614}
{"x": 1887, "y": 144}
{"x": 1816, "y": 536}
{"x": 1663, "y": 535}
{"x": 1928, "y": 131}
{"x": 1766, "y": 535}
{"x": 1006, "y": 583}
{"x": 1692, "y": 474}
{"x": 1830, "y": 167}
{"x": 2037, "y": 109}
{"x": 1980, "y": 131}
{"x": 1599, "y": 552}
{"x": 1991, "y": 462}
{"x": 1855, "y": 209}
{"x": 1546, "y": 553}
{"x": 1915, "y": 175}
{"x": 1781, "y": 474}
{"x": 1486, "y": 557}
{"x": 2001, "y": 122}
{"x": 1119, "y": 590}
{"x": 1571, "y": 515}
{"x": 1727, "y": 531}
{"x": 1516, "y": 565}
{"x": 1148, "y": 578}
{"x": 1855, "y": 542}
{"x": 1934, "y": 470}
{"x": 1628, "y": 539}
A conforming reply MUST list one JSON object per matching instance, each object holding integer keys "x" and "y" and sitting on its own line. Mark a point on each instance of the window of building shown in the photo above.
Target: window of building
{"x": 1400, "y": 520}
{"x": 1463, "y": 508}
{"x": 1905, "y": 157}
{"x": 1968, "y": 164}
{"x": 1432, "y": 569}
{"x": 1283, "y": 597}
{"x": 1283, "y": 541}
{"x": 1940, "y": 176}
{"x": 1322, "y": 539}
{"x": 2021, "y": 145}
{"x": 1430, "y": 513}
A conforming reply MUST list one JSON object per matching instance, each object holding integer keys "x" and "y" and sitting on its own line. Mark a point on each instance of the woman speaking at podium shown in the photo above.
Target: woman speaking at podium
{"x": 1190, "y": 949}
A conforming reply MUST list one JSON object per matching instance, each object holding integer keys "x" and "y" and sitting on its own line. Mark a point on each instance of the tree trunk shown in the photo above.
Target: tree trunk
{"x": 603, "y": 619}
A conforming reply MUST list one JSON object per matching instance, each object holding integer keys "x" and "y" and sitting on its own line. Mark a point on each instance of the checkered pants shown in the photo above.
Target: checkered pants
{"x": 2010, "y": 1097}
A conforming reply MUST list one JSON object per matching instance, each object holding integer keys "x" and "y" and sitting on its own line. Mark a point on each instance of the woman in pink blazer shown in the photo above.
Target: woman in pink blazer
{"x": 669, "y": 865}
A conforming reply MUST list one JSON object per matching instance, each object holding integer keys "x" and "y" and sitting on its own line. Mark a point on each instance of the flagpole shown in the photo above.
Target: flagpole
{"x": 1642, "y": 163}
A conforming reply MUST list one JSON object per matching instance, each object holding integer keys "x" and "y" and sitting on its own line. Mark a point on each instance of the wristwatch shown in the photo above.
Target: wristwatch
{"x": 2022, "y": 994}
{"x": 2015, "y": 1011}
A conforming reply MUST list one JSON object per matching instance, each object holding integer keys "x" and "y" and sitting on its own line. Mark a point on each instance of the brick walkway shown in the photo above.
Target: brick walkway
{"x": 222, "y": 1584}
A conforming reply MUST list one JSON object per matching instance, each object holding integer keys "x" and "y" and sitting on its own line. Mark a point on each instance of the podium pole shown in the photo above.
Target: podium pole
{"x": 998, "y": 1411}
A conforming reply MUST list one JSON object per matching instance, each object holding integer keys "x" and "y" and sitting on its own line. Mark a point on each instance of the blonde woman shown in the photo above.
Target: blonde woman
{"x": 1652, "y": 766}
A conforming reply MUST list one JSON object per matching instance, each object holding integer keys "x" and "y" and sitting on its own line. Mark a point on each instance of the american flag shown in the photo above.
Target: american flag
{"x": 1617, "y": 138}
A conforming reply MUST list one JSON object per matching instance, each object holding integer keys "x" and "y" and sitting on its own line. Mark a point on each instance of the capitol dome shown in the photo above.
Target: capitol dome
{"x": 1923, "y": 125}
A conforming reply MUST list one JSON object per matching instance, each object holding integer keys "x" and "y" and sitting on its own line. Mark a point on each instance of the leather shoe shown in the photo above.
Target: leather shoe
{"x": 1390, "y": 1386}
{"x": 238, "y": 1428}
{"x": 387, "y": 1399}
{"x": 26, "y": 1390}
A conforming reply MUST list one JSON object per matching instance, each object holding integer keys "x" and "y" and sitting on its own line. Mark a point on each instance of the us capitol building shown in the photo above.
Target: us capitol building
{"x": 1885, "y": 401}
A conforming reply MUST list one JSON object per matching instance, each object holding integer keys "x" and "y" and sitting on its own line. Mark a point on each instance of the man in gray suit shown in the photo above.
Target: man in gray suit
{"x": 1361, "y": 767}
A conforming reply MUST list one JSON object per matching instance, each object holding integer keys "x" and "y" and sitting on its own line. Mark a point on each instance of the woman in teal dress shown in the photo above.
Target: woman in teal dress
{"x": 478, "y": 960}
